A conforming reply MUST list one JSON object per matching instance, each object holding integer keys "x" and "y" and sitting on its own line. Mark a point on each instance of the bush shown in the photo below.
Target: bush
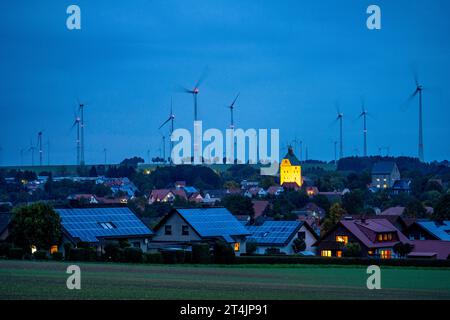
{"x": 57, "y": 256}
{"x": 4, "y": 248}
{"x": 40, "y": 255}
{"x": 169, "y": 256}
{"x": 299, "y": 245}
{"x": 402, "y": 249}
{"x": 187, "y": 256}
{"x": 83, "y": 254}
{"x": 112, "y": 251}
{"x": 153, "y": 258}
{"x": 251, "y": 247}
{"x": 131, "y": 254}
{"x": 67, "y": 247}
{"x": 352, "y": 249}
{"x": 223, "y": 253}
{"x": 15, "y": 253}
{"x": 200, "y": 253}
{"x": 274, "y": 251}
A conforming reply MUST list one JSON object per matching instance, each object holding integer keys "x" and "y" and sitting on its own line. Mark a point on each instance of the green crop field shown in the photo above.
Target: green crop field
{"x": 47, "y": 280}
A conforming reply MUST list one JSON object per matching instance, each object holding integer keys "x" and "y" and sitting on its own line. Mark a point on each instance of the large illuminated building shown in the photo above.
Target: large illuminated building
{"x": 290, "y": 169}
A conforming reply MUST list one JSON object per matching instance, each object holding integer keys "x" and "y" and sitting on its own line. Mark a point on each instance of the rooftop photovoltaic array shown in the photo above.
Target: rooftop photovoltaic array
{"x": 90, "y": 224}
{"x": 274, "y": 232}
{"x": 214, "y": 222}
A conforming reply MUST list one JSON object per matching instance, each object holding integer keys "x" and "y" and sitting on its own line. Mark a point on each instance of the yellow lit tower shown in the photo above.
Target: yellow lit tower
{"x": 290, "y": 169}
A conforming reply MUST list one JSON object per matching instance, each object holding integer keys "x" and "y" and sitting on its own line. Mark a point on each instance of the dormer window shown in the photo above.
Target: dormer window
{"x": 382, "y": 237}
{"x": 107, "y": 225}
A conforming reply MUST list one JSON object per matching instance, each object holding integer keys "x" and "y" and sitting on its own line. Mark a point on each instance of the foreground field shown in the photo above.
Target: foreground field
{"x": 47, "y": 280}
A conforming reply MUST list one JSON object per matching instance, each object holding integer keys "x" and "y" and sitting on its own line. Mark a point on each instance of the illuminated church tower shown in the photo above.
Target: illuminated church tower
{"x": 290, "y": 169}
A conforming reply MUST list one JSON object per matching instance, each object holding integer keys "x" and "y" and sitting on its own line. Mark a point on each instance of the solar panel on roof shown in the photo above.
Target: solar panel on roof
{"x": 273, "y": 232}
{"x": 85, "y": 223}
{"x": 214, "y": 222}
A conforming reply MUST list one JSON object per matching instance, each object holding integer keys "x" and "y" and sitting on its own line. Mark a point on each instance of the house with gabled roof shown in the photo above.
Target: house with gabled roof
{"x": 182, "y": 227}
{"x": 384, "y": 174}
{"x": 279, "y": 236}
{"x": 166, "y": 195}
{"x": 377, "y": 237}
{"x": 97, "y": 225}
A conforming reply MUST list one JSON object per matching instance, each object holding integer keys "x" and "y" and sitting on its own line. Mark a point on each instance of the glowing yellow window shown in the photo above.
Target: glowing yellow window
{"x": 385, "y": 254}
{"x": 54, "y": 249}
{"x": 380, "y": 237}
{"x": 343, "y": 239}
{"x": 33, "y": 249}
{"x": 237, "y": 246}
{"x": 338, "y": 253}
{"x": 325, "y": 253}
{"x": 370, "y": 252}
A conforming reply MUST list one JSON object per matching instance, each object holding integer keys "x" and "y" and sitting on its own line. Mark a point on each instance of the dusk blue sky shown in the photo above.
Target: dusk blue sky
{"x": 290, "y": 60}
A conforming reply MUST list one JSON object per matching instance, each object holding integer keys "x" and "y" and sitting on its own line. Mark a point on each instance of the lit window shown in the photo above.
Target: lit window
{"x": 343, "y": 239}
{"x": 53, "y": 249}
{"x": 339, "y": 254}
{"x": 390, "y": 236}
{"x": 378, "y": 186}
{"x": 237, "y": 246}
{"x": 325, "y": 253}
{"x": 168, "y": 230}
{"x": 370, "y": 252}
{"x": 185, "y": 230}
{"x": 385, "y": 254}
{"x": 378, "y": 179}
{"x": 385, "y": 186}
{"x": 33, "y": 249}
{"x": 380, "y": 237}
{"x": 385, "y": 237}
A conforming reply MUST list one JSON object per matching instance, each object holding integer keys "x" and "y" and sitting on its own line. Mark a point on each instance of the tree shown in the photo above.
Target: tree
{"x": 93, "y": 172}
{"x": 35, "y": 225}
{"x": 353, "y": 202}
{"x": 415, "y": 209}
{"x": 238, "y": 204}
{"x": 132, "y": 162}
{"x": 402, "y": 249}
{"x": 352, "y": 249}
{"x": 333, "y": 217}
{"x": 442, "y": 208}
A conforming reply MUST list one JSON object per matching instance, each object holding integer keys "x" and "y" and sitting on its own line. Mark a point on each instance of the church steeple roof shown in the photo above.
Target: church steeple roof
{"x": 291, "y": 157}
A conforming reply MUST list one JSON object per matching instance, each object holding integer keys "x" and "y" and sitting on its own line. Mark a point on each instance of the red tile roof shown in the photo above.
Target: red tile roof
{"x": 259, "y": 206}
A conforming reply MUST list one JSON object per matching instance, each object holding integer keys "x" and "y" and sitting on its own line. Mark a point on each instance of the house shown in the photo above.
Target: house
{"x": 5, "y": 219}
{"x": 290, "y": 186}
{"x": 279, "y": 236}
{"x": 429, "y": 230}
{"x": 334, "y": 196}
{"x": 117, "y": 185}
{"x": 401, "y": 186}
{"x": 180, "y": 184}
{"x": 245, "y": 184}
{"x": 255, "y": 192}
{"x": 183, "y": 227}
{"x": 430, "y": 249}
{"x": 290, "y": 169}
{"x": 259, "y": 207}
{"x": 275, "y": 190}
{"x": 88, "y": 198}
{"x": 213, "y": 196}
{"x": 196, "y": 197}
{"x": 166, "y": 195}
{"x": 398, "y": 211}
{"x": 312, "y": 191}
{"x": 384, "y": 174}
{"x": 376, "y": 237}
{"x": 98, "y": 225}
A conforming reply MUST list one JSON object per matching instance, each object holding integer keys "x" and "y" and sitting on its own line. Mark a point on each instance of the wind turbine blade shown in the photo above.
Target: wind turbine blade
{"x": 234, "y": 101}
{"x": 183, "y": 89}
{"x": 170, "y": 118}
{"x": 202, "y": 78}
{"x": 408, "y": 101}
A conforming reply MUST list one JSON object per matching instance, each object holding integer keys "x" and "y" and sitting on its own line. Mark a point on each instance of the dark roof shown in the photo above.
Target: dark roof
{"x": 213, "y": 222}
{"x": 85, "y": 224}
{"x": 384, "y": 167}
{"x": 5, "y": 218}
{"x": 274, "y": 233}
{"x": 424, "y": 248}
{"x": 217, "y": 193}
{"x": 291, "y": 157}
{"x": 402, "y": 184}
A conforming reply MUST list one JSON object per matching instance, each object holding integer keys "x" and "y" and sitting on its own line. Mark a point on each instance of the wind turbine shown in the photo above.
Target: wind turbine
{"x": 32, "y": 149}
{"x": 339, "y": 118}
{"x": 418, "y": 91}
{"x": 171, "y": 120}
{"x": 363, "y": 115}
{"x": 231, "y": 106}
{"x": 194, "y": 91}
{"x": 82, "y": 142}
{"x": 77, "y": 123}
{"x": 41, "y": 152}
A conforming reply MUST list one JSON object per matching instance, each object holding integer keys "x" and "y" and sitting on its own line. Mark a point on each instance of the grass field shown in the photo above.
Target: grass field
{"x": 47, "y": 280}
